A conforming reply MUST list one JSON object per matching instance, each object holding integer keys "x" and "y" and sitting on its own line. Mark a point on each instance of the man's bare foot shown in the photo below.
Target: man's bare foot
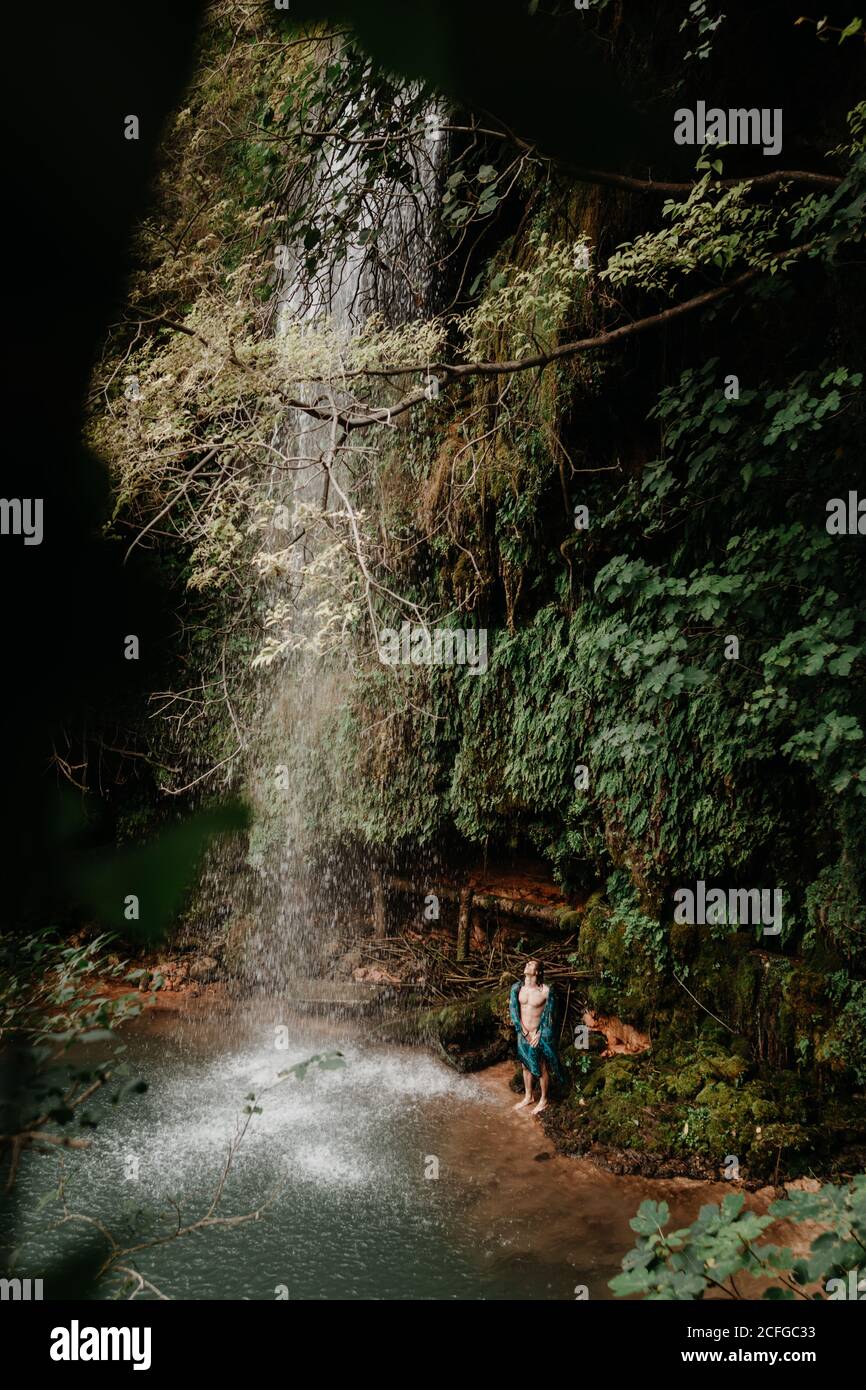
{"x": 542, "y": 1105}
{"x": 522, "y": 1104}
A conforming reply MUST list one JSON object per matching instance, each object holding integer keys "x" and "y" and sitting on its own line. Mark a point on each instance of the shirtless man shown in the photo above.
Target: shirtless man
{"x": 532, "y": 999}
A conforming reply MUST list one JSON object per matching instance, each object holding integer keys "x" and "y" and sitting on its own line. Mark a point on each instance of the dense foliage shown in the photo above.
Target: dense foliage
{"x": 718, "y": 1248}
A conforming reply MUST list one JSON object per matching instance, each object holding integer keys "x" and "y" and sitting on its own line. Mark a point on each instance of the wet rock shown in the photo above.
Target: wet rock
{"x": 471, "y": 1034}
{"x": 371, "y": 974}
{"x": 173, "y": 974}
{"x": 467, "y": 1059}
{"x": 203, "y": 969}
{"x": 350, "y": 962}
{"x": 238, "y": 939}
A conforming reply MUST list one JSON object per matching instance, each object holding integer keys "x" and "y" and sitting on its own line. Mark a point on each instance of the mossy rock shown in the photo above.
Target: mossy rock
{"x": 590, "y": 1084}
{"x": 470, "y": 1034}
{"x": 569, "y": 921}
{"x": 631, "y": 985}
{"x": 619, "y": 1074}
{"x": 700, "y": 1103}
{"x": 779, "y": 1139}
{"x": 842, "y": 1049}
{"x": 804, "y": 999}
{"x": 686, "y": 1082}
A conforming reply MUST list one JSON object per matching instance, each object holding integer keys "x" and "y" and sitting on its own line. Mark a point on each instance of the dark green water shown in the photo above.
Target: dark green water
{"x": 360, "y": 1215}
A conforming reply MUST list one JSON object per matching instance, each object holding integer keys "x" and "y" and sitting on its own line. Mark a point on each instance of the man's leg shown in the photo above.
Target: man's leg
{"x": 527, "y": 1090}
{"x": 545, "y": 1082}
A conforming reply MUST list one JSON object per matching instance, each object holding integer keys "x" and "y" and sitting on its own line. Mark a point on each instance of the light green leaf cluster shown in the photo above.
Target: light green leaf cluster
{"x": 524, "y": 306}
{"x": 721, "y": 1243}
{"x": 709, "y": 228}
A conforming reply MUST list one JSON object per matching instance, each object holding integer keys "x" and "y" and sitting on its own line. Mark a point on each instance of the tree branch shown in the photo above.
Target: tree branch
{"x": 637, "y": 185}
{"x": 385, "y": 414}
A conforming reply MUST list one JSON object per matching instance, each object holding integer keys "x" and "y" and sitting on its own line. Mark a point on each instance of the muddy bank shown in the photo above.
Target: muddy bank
{"x": 572, "y": 1205}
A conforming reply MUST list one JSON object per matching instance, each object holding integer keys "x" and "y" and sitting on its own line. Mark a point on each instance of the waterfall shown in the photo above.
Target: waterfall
{"x": 298, "y": 894}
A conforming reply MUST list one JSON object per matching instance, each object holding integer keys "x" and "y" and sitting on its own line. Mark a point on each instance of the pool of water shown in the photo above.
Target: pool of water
{"x": 389, "y": 1178}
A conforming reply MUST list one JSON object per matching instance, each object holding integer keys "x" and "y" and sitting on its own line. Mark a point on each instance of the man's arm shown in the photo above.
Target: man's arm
{"x": 548, "y": 1017}
{"x": 515, "y": 1007}
{"x": 516, "y": 1019}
